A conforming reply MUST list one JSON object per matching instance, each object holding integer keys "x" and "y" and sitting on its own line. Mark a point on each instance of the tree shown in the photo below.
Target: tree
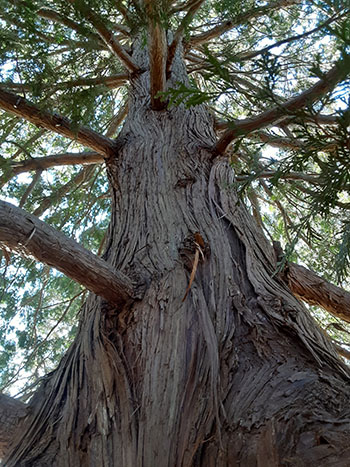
{"x": 192, "y": 347}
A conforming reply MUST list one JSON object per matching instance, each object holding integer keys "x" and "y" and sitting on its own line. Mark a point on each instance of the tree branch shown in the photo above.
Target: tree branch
{"x": 27, "y": 234}
{"x": 239, "y": 19}
{"x": 68, "y": 158}
{"x": 313, "y": 289}
{"x": 195, "y": 6}
{"x": 112, "y": 43}
{"x": 324, "y": 85}
{"x": 117, "y": 120}
{"x": 11, "y": 412}
{"x": 157, "y": 55}
{"x": 56, "y": 123}
{"x": 311, "y": 178}
{"x": 80, "y": 178}
{"x": 313, "y": 119}
{"x": 52, "y": 15}
{"x": 250, "y": 55}
{"x": 291, "y": 143}
{"x": 112, "y": 82}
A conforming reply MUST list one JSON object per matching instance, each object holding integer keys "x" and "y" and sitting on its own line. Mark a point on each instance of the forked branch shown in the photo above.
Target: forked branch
{"x": 306, "y": 98}
{"x": 27, "y": 234}
{"x": 56, "y": 123}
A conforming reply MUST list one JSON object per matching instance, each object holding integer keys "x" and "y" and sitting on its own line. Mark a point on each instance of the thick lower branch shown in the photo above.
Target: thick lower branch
{"x": 56, "y": 123}
{"x": 315, "y": 290}
{"x": 11, "y": 411}
{"x": 27, "y": 234}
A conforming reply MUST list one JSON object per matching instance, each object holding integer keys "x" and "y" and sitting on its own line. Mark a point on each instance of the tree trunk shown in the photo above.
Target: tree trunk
{"x": 234, "y": 374}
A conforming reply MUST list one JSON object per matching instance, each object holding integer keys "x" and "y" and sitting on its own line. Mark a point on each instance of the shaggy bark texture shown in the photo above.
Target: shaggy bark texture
{"x": 237, "y": 374}
{"x": 11, "y": 411}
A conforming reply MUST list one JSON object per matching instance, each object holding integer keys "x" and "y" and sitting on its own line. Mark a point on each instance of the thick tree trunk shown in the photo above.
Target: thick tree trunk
{"x": 237, "y": 374}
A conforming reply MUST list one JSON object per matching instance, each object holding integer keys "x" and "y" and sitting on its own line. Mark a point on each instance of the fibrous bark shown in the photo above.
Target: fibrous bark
{"x": 11, "y": 412}
{"x": 324, "y": 85}
{"x": 28, "y": 235}
{"x": 315, "y": 290}
{"x": 237, "y": 374}
{"x": 54, "y": 122}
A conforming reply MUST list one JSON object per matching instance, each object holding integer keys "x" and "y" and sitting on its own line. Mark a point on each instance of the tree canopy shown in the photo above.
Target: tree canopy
{"x": 275, "y": 75}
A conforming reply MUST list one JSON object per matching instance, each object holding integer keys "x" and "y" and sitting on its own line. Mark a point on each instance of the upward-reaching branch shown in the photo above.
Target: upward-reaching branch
{"x": 107, "y": 36}
{"x": 56, "y": 123}
{"x": 195, "y": 5}
{"x": 157, "y": 55}
{"x": 306, "y": 98}
{"x": 27, "y": 234}
{"x": 239, "y": 19}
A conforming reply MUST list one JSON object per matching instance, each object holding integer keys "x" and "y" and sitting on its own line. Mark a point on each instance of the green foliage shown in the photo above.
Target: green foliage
{"x": 182, "y": 94}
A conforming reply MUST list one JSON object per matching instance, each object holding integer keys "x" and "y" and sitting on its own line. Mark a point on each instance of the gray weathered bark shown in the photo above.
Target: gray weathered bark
{"x": 11, "y": 412}
{"x": 237, "y": 374}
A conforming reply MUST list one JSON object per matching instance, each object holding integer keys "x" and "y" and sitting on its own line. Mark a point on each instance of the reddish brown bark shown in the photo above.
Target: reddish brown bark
{"x": 54, "y": 122}
{"x": 22, "y": 232}
{"x": 313, "y": 289}
{"x": 323, "y": 86}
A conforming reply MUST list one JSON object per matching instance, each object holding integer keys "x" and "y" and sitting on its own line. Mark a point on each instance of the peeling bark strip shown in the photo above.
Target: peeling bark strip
{"x": 11, "y": 411}
{"x": 312, "y": 289}
{"x": 322, "y": 87}
{"x": 27, "y": 234}
{"x": 54, "y": 122}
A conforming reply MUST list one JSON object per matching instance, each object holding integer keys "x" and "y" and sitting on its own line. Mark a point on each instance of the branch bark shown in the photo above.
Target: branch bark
{"x": 157, "y": 56}
{"x": 56, "y": 123}
{"x": 52, "y": 15}
{"x": 68, "y": 158}
{"x": 314, "y": 290}
{"x": 11, "y": 412}
{"x": 112, "y": 82}
{"x": 195, "y": 6}
{"x": 109, "y": 39}
{"x": 313, "y": 119}
{"x": 314, "y": 93}
{"x": 239, "y": 19}
{"x": 27, "y": 234}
